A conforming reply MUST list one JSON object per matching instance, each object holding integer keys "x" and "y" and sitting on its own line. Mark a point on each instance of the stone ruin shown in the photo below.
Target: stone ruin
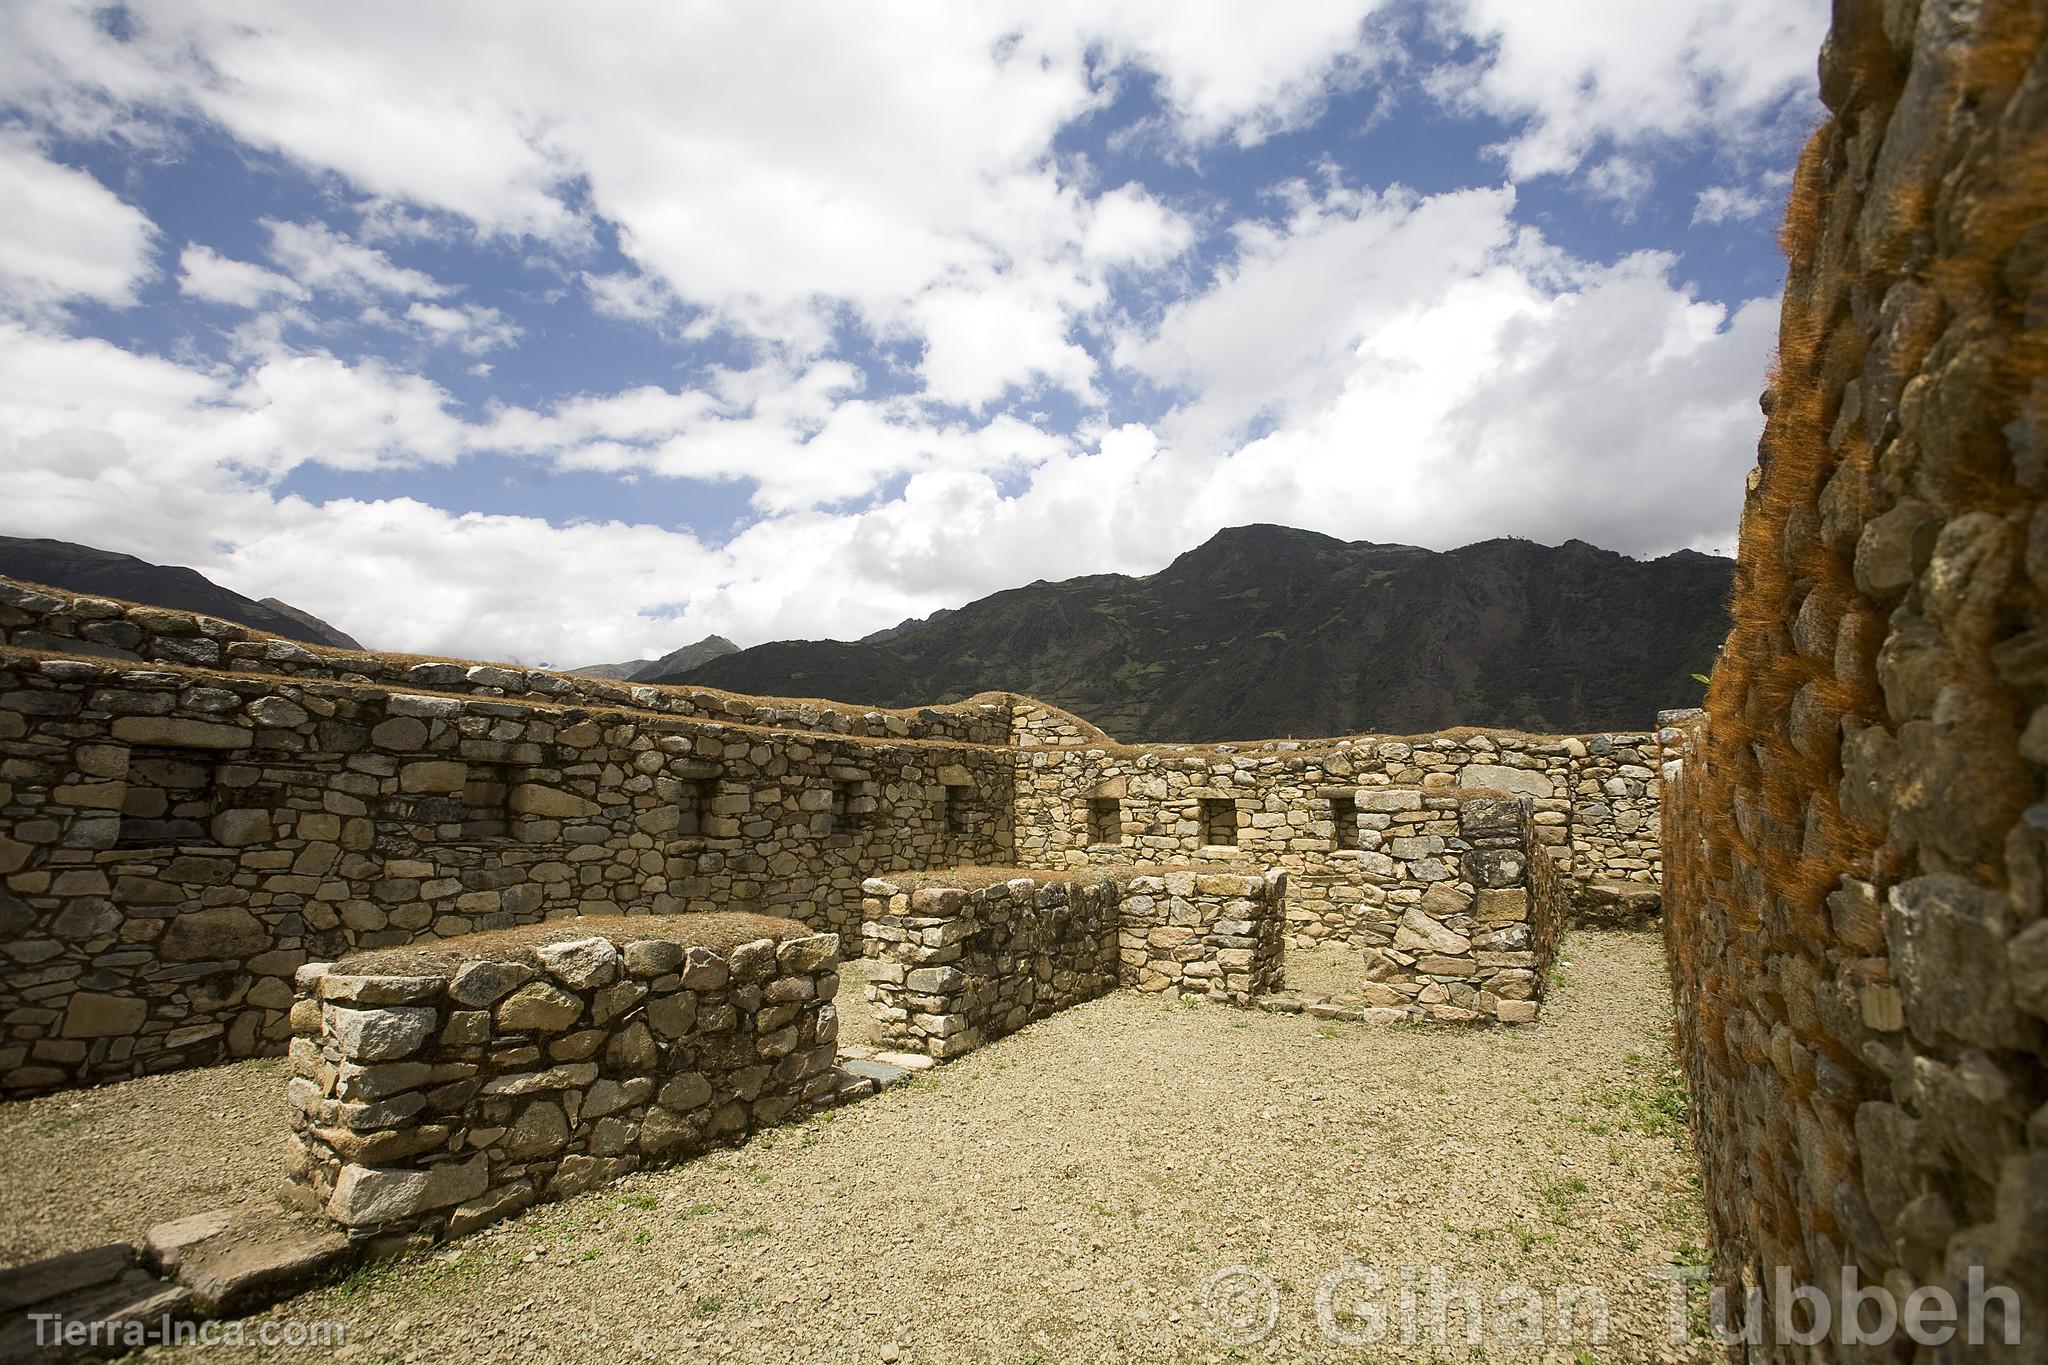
{"x": 522, "y": 932}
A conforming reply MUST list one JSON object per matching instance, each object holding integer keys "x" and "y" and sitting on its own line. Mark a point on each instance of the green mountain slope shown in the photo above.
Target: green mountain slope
{"x": 1265, "y": 630}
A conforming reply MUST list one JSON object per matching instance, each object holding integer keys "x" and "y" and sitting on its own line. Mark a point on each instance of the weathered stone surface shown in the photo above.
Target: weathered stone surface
{"x": 539, "y": 1005}
{"x": 1494, "y": 777}
{"x": 485, "y": 983}
{"x": 225, "y": 934}
{"x": 580, "y": 964}
{"x": 1418, "y": 932}
{"x": 176, "y": 732}
{"x": 250, "y": 1260}
{"x": 103, "y": 1016}
{"x": 530, "y": 798}
{"x": 369, "y": 1196}
{"x": 1947, "y": 938}
{"x": 432, "y": 775}
{"x": 377, "y": 1035}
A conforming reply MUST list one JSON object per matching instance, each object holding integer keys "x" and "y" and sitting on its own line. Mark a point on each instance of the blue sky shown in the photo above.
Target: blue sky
{"x": 571, "y": 334}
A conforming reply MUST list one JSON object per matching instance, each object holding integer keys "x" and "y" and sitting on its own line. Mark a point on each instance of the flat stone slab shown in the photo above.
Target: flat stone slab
{"x": 27, "y": 1285}
{"x": 909, "y": 1061}
{"x": 235, "y": 1261}
{"x": 92, "y": 1303}
{"x": 880, "y": 1072}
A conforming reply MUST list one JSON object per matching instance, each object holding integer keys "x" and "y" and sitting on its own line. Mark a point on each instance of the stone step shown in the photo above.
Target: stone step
{"x": 237, "y": 1260}
{"x": 881, "y": 1073}
{"x": 909, "y": 1061}
{"x": 85, "y": 1305}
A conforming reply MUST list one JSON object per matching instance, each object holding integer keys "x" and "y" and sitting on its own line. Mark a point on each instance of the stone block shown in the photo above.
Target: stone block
{"x": 179, "y": 733}
{"x": 377, "y": 1035}
{"x": 580, "y": 964}
{"x": 370, "y": 1196}
{"x": 432, "y": 776}
{"x": 531, "y": 798}
{"x": 103, "y": 1016}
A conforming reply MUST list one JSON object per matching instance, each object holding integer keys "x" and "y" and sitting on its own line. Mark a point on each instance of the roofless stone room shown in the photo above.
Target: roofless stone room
{"x": 1362, "y": 682}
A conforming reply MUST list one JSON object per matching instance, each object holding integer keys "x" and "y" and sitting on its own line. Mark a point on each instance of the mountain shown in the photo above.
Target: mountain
{"x": 1266, "y": 631}
{"x": 81, "y": 568}
{"x": 676, "y": 661}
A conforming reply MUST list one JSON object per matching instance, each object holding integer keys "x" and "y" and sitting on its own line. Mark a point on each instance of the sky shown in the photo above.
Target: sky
{"x": 568, "y": 334}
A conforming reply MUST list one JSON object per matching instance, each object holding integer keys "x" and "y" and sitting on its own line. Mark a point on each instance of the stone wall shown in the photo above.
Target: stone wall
{"x": 1215, "y": 935}
{"x": 51, "y": 620}
{"x": 969, "y": 955}
{"x": 957, "y": 966}
{"x": 177, "y": 842}
{"x": 1855, "y": 829}
{"x": 1476, "y": 947}
{"x": 1346, "y": 819}
{"x": 437, "y": 1089}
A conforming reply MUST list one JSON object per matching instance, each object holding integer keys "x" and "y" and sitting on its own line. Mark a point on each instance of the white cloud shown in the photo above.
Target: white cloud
{"x": 470, "y": 327}
{"x": 65, "y": 236}
{"x": 1727, "y": 204}
{"x": 1376, "y": 364}
{"x": 1579, "y": 73}
{"x": 206, "y": 274}
{"x": 317, "y": 257}
{"x": 1624, "y": 180}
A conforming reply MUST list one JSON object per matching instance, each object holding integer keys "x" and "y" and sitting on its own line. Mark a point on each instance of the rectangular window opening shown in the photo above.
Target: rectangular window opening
{"x": 1105, "y": 820}
{"x": 1344, "y": 815}
{"x": 842, "y": 807}
{"x": 171, "y": 798}
{"x": 953, "y": 809}
{"x": 1219, "y": 821}
{"x": 486, "y": 812}
{"x": 695, "y": 806}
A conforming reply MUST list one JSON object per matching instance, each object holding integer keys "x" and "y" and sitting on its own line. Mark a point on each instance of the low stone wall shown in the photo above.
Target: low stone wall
{"x": 1477, "y": 946}
{"x": 958, "y": 965}
{"x": 1219, "y": 935}
{"x": 438, "y": 1088}
{"x": 52, "y": 620}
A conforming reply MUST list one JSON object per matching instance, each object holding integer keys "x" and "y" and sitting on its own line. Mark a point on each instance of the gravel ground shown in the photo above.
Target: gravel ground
{"x": 1065, "y": 1194}
{"x": 1336, "y": 970}
{"x": 84, "y": 1167}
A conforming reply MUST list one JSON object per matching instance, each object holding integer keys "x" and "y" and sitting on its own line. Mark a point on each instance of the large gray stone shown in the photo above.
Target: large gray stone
{"x": 379, "y": 1035}
{"x": 481, "y": 984}
{"x": 1497, "y": 777}
{"x": 367, "y": 1196}
{"x": 581, "y": 964}
{"x": 1947, "y": 937}
{"x": 1419, "y": 933}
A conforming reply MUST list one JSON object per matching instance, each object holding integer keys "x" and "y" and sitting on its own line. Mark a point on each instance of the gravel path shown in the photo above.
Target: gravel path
{"x": 83, "y": 1167}
{"x": 1064, "y": 1194}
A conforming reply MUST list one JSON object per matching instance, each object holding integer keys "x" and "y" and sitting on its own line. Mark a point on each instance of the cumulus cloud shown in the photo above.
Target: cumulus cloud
{"x": 1577, "y": 74}
{"x": 1727, "y": 204}
{"x": 319, "y": 258}
{"x": 1368, "y": 361}
{"x": 206, "y": 274}
{"x": 470, "y": 327}
{"x": 65, "y": 237}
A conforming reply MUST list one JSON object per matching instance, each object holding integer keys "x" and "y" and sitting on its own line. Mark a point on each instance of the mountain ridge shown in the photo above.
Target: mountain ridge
{"x": 89, "y": 569}
{"x": 1267, "y": 630}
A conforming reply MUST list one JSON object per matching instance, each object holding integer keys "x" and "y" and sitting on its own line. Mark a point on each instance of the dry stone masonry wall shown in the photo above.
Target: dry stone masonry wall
{"x": 1855, "y": 829}
{"x": 1345, "y": 818}
{"x": 963, "y": 959}
{"x": 190, "y": 810}
{"x": 177, "y": 843}
{"x": 437, "y": 1090}
{"x": 958, "y": 966}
